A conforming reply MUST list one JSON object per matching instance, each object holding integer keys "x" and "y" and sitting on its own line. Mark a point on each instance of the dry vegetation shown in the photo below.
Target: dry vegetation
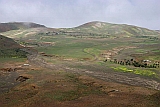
{"x": 63, "y": 89}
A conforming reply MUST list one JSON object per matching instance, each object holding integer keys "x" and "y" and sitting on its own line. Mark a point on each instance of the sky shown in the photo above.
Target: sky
{"x": 72, "y": 13}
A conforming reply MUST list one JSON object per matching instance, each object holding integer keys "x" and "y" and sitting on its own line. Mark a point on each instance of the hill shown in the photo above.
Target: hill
{"x": 18, "y": 25}
{"x": 94, "y": 64}
{"x": 7, "y": 43}
{"x": 109, "y": 29}
{"x": 9, "y": 48}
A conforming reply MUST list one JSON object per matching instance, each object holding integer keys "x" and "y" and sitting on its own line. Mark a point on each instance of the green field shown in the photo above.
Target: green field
{"x": 91, "y": 49}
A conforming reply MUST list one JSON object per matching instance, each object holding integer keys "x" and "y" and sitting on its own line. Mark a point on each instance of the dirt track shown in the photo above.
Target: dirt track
{"x": 117, "y": 77}
{"x": 105, "y": 87}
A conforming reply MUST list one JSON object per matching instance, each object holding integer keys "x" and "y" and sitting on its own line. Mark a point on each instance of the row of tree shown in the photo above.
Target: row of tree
{"x": 143, "y": 63}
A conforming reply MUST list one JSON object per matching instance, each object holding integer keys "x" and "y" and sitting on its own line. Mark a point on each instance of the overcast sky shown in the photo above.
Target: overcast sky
{"x": 71, "y": 13}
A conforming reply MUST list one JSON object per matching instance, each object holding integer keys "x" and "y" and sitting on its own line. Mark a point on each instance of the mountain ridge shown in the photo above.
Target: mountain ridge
{"x": 18, "y": 25}
{"x": 115, "y": 29}
{"x": 94, "y": 27}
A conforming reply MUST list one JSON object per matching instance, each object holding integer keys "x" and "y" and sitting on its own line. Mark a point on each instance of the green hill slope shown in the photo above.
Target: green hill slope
{"x": 109, "y": 29}
{"x": 9, "y": 48}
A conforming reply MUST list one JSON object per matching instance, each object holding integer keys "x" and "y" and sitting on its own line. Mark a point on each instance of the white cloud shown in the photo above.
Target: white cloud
{"x": 69, "y": 13}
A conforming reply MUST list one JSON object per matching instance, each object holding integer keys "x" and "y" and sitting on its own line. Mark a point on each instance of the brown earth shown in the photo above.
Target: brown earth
{"x": 110, "y": 53}
{"x": 60, "y": 88}
{"x": 49, "y": 85}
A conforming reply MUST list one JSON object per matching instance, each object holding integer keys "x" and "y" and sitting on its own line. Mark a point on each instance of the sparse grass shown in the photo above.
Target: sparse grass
{"x": 34, "y": 72}
{"x": 82, "y": 90}
{"x": 7, "y": 59}
{"x": 79, "y": 90}
{"x": 92, "y": 51}
{"x": 69, "y": 49}
{"x": 141, "y": 51}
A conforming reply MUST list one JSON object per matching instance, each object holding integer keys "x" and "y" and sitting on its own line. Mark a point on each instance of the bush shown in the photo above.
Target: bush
{"x": 14, "y": 53}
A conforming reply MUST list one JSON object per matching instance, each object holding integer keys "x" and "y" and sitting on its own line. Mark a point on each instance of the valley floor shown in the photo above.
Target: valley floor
{"x": 64, "y": 85}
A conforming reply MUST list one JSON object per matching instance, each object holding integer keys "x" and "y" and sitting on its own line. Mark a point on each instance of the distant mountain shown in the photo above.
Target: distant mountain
{"x": 18, "y": 25}
{"x": 89, "y": 29}
{"x": 114, "y": 29}
{"x": 157, "y": 30}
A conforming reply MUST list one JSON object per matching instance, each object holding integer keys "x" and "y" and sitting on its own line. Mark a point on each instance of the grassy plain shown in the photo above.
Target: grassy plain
{"x": 90, "y": 49}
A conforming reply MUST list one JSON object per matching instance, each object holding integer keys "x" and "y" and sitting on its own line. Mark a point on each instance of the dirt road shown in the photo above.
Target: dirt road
{"x": 124, "y": 78}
